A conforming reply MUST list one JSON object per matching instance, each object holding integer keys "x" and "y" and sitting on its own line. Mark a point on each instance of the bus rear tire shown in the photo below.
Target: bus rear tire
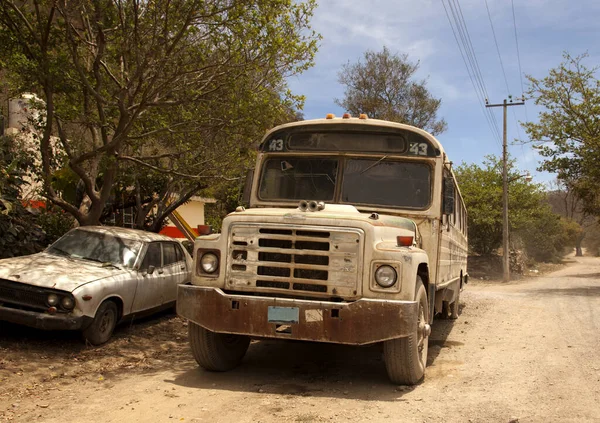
{"x": 454, "y": 306}
{"x": 406, "y": 358}
{"x": 217, "y": 352}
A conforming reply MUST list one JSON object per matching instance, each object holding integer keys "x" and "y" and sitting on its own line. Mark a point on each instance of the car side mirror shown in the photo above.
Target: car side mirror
{"x": 150, "y": 270}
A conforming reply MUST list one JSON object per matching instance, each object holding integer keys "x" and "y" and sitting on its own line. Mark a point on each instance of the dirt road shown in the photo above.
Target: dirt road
{"x": 526, "y": 351}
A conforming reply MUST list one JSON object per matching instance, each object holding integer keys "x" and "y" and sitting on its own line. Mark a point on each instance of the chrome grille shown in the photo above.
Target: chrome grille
{"x": 23, "y": 295}
{"x": 323, "y": 262}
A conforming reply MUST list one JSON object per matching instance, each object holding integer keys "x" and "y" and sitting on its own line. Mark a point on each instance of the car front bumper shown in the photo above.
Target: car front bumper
{"x": 41, "y": 320}
{"x": 360, "y": 322}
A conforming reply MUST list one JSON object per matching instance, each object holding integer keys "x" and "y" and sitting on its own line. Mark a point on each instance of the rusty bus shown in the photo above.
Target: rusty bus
{"x": 355, "y": 234}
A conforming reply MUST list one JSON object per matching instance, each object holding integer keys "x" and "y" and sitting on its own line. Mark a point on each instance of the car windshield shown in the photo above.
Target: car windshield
{"x": 96, "y": 246}
{"x": 369, "y": 181}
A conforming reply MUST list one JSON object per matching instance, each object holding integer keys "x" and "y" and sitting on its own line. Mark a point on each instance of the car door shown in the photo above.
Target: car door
{"x": 150, "y": 290}
{"x": 175, "y": 269}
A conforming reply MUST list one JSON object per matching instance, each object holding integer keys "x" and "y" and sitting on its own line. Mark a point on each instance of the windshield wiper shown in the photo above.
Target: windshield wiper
{"x": 59, "y": 251}
{"x": 104, "y": 263}
{"x": 374, "y": 164}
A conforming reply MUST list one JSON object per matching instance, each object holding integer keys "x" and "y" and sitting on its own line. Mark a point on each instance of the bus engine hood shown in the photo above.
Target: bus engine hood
{"x": 333, "y": 215}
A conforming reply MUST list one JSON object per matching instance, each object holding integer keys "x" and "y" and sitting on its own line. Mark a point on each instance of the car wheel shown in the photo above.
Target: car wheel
{"x": 103, "y": 325}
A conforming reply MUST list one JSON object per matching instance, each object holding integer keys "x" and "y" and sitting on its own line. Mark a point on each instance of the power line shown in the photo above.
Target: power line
{"x": 476, "y": 67}
{"x": 512, "y": 3}
{"x": 470, "y": 45}
{"x": 469, "y": 58}
{"x": 517, "y": 44}
{"x": 519, "y": 58}
{"x": 497, "y": 47}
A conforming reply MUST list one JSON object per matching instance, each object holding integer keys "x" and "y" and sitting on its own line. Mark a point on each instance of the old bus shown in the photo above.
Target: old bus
{"x": 355, "y": 234}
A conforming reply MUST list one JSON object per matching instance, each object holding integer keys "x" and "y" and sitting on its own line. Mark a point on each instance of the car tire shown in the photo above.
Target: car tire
{"x": 103, "y": 325}
{"x": 217, "y": 352}
{"x": 406, "y": 358}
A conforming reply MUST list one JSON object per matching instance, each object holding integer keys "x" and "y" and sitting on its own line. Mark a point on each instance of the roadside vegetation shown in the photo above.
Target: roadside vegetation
{"x": 537, "y": 233}
{"x": 145, "y": 105}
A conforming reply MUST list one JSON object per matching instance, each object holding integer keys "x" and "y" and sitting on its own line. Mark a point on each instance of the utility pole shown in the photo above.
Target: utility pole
{"x": 505, "y": 246}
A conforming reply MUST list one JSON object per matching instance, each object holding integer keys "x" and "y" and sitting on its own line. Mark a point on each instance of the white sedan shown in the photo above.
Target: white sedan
{"x": 92, "y": 278}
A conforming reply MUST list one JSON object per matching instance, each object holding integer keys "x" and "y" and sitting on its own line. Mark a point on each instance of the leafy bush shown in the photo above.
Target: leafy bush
{"x": 543, "y": 234}
{"x": 54, "y": 222}
{"x": 19, "y": 233}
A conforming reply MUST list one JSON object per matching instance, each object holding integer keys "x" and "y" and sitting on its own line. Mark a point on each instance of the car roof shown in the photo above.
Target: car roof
{"x": 132, "y": 234}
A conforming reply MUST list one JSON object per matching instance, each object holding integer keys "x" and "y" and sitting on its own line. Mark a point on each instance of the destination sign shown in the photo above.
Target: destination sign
{"x": 398, "y": 142}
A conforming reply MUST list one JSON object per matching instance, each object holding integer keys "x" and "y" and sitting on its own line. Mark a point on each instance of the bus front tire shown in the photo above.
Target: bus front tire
{"x": 217, "y": 352}
{"x": 406, "y": 358}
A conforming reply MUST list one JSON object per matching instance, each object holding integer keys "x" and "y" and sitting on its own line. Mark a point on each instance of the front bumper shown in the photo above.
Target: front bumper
{"x": 360, "y": 322}
{"x": 42, "y": 320}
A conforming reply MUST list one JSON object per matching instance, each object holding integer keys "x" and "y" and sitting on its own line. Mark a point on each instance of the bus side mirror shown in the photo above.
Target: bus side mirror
{"x": 448, "y": 196}
{"x": 248, "y": 187}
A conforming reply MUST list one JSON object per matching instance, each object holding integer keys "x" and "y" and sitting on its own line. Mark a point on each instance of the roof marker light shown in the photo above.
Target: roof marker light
{"x": 346, "y": 116}
{"x": 363, "y": 116}
{"x": 329, "y": 116}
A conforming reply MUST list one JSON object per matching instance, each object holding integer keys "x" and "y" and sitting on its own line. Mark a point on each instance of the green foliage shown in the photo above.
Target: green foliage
{"x": 548, "y": 236}
{"x": 543, "y": 233}
{"x": 567, "y": 131}
{"x": 592, "y": 241}
{"x": 228, "y": 198}
{"x": 151, "y": 102}
{"x": 383, "y": 87}
{"x": 55, "y": 222}
{"x": 19, "y": 233}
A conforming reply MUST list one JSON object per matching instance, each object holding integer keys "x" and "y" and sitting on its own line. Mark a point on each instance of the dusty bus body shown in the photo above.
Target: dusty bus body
{"x": 355, "y": 234}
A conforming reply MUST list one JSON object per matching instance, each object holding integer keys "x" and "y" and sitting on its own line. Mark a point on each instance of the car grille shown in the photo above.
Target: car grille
{"x": 297, "y": 260}
{"x": 20, "y": 294}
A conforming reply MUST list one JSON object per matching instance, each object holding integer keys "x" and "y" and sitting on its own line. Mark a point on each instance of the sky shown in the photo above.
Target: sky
{"x": 545, "y": 30}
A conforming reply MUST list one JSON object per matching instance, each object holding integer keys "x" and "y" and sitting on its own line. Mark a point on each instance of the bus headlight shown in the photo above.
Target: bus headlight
{"x": 209, "y": 262}
{"x": 386, "y": 276}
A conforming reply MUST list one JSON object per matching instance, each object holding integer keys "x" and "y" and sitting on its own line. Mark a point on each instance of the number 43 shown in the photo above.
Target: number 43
{"x": 418, "y": 149}
{"x": 276, "y": 145}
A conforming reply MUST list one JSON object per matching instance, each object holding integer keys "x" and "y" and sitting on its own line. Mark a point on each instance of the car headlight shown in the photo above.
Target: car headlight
{"x": 209, "y": 262}
{"x": 67, "y": 303}
{"x": 385, "y": 276}
{"x": 52, "y": 300}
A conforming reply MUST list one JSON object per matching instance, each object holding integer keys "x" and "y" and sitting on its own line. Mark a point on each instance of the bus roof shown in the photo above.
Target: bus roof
{"x": 375, "y": 123}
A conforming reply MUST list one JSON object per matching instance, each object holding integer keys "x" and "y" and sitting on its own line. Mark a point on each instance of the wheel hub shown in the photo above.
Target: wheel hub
{"x": 424, "y": 329}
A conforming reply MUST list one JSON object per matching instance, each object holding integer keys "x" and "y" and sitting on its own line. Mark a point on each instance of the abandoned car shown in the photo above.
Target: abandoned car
{"x": 92, "y": 278}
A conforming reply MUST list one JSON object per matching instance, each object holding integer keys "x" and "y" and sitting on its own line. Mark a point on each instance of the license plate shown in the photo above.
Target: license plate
{"x": 284, "y": 315}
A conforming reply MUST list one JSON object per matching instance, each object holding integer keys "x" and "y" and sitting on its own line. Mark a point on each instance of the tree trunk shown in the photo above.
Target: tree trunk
{"x": 578, "y": 249}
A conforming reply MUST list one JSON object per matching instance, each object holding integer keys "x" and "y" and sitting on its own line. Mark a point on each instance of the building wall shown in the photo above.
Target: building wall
{"x": 192, "y": 212}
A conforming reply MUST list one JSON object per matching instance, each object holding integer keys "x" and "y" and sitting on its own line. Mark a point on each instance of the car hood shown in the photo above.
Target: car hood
{"x": 51, "y": 271}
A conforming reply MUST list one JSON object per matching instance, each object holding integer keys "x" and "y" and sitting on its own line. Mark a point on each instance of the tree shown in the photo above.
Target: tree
{"x": 383, "y": 87}
{"x": 151, "y": 101}
{"x": 568, "y": 130}
{"x": 564, "y": 201}
{"x": 19, "y": 233}
{"x": 532, "y": 222}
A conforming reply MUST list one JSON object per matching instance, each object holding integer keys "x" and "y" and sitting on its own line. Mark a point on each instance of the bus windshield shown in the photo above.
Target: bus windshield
{"x": 381, "y": 182}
